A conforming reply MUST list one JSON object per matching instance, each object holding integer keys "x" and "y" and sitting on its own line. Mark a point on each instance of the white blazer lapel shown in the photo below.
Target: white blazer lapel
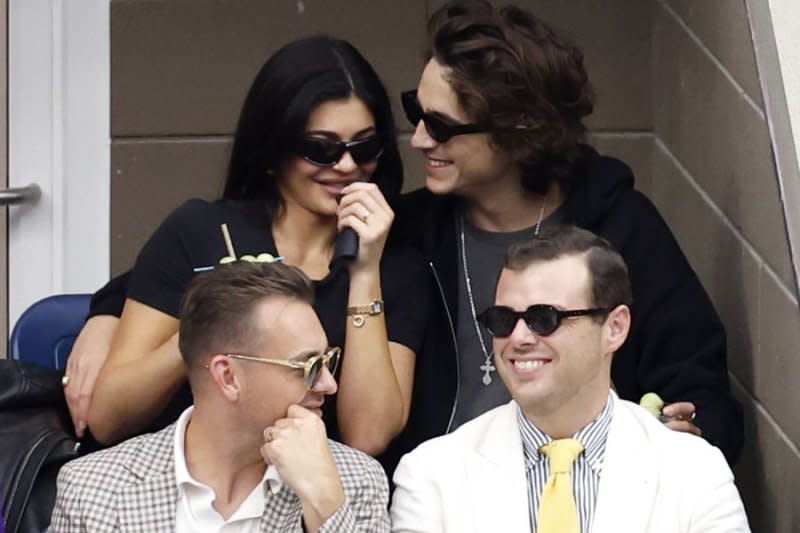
{"x": 497, "y": 486}
{"x": 629, "y": 480}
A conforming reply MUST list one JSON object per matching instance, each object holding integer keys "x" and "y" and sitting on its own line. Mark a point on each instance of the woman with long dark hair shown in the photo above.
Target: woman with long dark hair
{"x": 314, "y": 154}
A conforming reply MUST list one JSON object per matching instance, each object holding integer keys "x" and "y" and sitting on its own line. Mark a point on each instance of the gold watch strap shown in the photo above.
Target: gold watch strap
{"x": 360, "y": 312}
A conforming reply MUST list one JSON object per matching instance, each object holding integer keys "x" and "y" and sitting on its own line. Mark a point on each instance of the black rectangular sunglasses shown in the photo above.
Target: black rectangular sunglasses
{"x": 327, "y": 152}
{"x": 439, "y": 130}
{"x": 541, "y": 319}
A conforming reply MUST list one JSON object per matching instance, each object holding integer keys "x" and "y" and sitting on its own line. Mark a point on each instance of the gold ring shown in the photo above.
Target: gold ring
{"x": 694, "y": 414}
{"x": 65, "y": 380}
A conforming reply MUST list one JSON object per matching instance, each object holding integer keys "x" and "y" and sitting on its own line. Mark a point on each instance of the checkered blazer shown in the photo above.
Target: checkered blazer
{"x": 131, "y": 487}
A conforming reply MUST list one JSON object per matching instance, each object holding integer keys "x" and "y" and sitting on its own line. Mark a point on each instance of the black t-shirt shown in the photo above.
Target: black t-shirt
{"x": 191, "y": 240}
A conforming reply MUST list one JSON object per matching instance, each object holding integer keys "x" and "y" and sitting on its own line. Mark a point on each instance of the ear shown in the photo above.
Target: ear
{"x": 224, "y": 376}
{"x": 616, "y": 327}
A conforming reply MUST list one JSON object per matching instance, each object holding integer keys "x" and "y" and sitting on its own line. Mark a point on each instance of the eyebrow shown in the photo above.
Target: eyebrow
{"x": 439, "y": 114}
{"x": 336, "y": 136}
{"x": 306, "y": 355}
{"x": 446, "y": 117}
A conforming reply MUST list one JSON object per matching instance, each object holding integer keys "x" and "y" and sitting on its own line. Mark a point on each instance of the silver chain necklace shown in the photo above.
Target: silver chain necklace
{"x": 487, "y": 367}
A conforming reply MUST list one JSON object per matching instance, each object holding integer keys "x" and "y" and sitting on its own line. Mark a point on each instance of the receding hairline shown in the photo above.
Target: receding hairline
{"x": 282, "y": 302}
{"x": 520, "y": 264}
{"x": 583, "y": 256}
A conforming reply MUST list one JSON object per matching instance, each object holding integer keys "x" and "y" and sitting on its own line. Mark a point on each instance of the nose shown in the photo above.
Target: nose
{"x": 346, "y": 163}
{"x": 522, "y": 334}
{"x": 326, "y": 383}
{"x": 421, "y": 140}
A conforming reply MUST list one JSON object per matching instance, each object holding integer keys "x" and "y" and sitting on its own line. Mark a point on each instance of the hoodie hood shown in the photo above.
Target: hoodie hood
{"x": 598, "y": 182}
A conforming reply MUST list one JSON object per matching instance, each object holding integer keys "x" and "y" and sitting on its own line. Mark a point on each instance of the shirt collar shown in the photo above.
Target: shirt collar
{"x": 593, "y": 437}
{"x": 271, "y": 481}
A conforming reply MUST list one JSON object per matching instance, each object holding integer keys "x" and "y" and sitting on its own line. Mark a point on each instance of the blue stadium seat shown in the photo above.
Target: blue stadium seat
{"x": 46, "y": 331}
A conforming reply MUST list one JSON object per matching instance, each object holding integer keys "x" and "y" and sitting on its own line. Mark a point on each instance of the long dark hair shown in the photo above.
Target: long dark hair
{"x": 290, "y": 85}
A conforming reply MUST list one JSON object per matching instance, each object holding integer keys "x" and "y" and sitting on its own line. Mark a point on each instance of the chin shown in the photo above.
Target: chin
{"x": 438, "y": 186}
{"x": 529, "y": 393}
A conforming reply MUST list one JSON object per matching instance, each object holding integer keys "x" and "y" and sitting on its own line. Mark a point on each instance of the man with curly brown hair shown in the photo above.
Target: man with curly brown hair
{"x": 499, "y": 113}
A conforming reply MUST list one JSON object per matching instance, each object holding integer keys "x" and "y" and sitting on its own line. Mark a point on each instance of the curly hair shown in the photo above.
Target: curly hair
{"x": 512, "y": 71}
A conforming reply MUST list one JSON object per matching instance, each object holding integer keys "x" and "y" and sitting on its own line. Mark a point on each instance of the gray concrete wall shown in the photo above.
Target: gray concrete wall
{"x": 714, "y": 179}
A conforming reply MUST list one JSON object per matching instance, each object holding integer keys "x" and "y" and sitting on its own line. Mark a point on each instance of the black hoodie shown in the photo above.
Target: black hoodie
{"x": 676, "y": 345}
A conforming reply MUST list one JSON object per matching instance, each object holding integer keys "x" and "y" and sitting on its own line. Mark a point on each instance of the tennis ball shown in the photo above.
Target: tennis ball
{"x": 652, "y": 402}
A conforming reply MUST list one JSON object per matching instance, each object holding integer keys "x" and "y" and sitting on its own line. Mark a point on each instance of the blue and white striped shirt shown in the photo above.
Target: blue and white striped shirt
{"x": 585, "y": 472}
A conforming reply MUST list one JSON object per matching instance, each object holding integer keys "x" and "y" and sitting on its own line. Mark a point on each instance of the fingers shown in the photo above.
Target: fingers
{"x": 298, "y": 411}
{"x": 300, "y": 428}
{"x": 354, "y": 190}
{"x": 296, "y": 417}
{"x": 679, "y": 416}
{"x": 80, "y": 389}
{"x": 684, "y": 426}
{"x": 78, "y": 410}
{"x": 364, "y": 208}
{"x": 679, "y": 410}
{"x": 85, "y": 395}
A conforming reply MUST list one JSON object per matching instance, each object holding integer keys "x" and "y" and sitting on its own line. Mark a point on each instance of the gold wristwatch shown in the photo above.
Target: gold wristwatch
{"x": 361, "y": 312}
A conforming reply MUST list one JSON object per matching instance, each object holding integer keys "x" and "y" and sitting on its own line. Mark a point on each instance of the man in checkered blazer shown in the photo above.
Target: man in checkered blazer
{"x": 252, "y": 453}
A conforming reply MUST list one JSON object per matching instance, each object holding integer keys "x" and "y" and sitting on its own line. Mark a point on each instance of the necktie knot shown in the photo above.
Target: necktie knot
{"x": 562, "y": 454}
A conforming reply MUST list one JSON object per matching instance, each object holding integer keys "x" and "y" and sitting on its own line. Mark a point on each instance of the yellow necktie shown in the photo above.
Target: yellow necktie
{"x": 557, "y": 510}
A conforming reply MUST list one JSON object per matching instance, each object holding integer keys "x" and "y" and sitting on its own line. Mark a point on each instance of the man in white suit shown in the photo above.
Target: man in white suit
{"x": 252, "y": 454}
{"x": 562, "y": 310}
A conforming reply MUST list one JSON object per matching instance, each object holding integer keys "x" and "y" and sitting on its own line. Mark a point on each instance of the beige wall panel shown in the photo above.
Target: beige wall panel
{"x": 184, "y": 66}
{"x": 729, "y": 274}
{"x": 768, "y": 473}
{"x": 777, "y": 366}
{"x": 723, "y": 27}
{"x": 616, "y": 40}
{"x": 413, "y": 164}
{"x": 635, "y": 149}
{"x": 720, "y": 139}
{"x": 150, "y": 179}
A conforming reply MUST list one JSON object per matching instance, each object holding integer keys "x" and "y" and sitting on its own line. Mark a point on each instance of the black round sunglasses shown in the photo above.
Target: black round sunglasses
{"x": 541, "y": 319}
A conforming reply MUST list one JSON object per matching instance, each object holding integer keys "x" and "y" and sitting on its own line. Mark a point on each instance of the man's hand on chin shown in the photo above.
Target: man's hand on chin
{"x": 298, "y": 448}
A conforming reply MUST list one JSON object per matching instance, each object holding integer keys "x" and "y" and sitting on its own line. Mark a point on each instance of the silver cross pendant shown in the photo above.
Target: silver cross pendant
{"x": 487, "y": 367}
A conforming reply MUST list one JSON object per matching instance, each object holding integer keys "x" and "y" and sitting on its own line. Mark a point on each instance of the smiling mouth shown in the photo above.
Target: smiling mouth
{"x": 334, "y": 188}
{"x": 530, "y": 364}
{"x": 438, "y": 163}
